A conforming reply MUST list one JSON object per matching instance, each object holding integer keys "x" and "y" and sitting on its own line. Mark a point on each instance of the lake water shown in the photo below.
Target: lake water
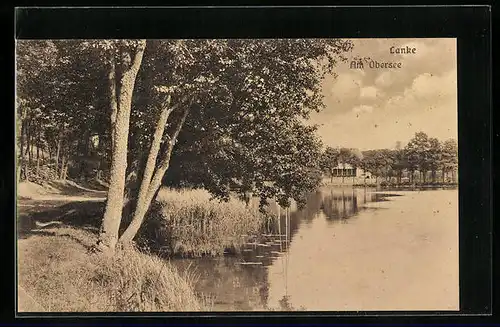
{"x": 348, "y": 250}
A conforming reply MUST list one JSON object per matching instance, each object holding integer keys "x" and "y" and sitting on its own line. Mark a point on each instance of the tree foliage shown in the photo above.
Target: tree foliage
{"x": 227, "y": 114}
{"x": 422, "y": 154}
{"x": 329, "y": 160}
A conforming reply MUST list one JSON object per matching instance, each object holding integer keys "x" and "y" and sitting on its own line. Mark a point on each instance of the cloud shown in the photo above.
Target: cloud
{"x": 385, "y": 79}
{"x": 373, "y": 108}
{"x": 347, "y": 85}
{"x": 433, "y": 55}
{"x": 362, "y": 109}
{"x": 430, "y": 85}
{"x": 368, "y": 92}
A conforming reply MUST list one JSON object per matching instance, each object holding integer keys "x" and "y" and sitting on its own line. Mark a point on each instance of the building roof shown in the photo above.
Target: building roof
{"x": 344, "y": 166}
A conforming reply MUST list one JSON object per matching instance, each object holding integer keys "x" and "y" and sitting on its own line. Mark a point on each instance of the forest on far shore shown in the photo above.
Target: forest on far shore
{"x": 423, "y": 160}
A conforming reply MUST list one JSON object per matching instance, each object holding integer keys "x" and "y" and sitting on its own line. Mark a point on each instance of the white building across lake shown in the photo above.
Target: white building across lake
{"x": 347, "y": 170}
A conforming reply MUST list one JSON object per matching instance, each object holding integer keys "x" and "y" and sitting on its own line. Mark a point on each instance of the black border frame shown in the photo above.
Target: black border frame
{"x": 471, "y": 25}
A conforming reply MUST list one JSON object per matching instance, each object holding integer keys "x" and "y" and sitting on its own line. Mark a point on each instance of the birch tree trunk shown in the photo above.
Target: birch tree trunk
{"x": 113, "y": 103}
{"x": 151, "y": 183}
{"x": 108, "y": 236}
{"x": 142, "y": 168}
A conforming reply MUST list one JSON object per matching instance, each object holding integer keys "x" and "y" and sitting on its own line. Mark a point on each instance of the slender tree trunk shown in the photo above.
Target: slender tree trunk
{"x": 28, "y": 143}
{"x": 87, "y": 144}
{"x": 64, "y": 168}
{"x": 149, "y": 190}
{"x": 108, "y": 236}
{"x": 38, "y": 154}
{"x": 142, "y": 167}
{"x": 49, "y": 150}
{"x": 58, "y": 152}
{"x": 63, "y": 162}
{"x": 25, "y": 155}
{"x": 151, "y": 159}
{"x": 37, "y": 161}
{"x": 32, "y": 144}
{"x": 21, "y": 152}
{"x": 113, "y": 100}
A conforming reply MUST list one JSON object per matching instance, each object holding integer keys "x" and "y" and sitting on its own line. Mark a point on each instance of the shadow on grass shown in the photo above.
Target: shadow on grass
{"x": 51, "y": 233}
{"x": 84, "y": 215}
{"x": 88, "y": 188}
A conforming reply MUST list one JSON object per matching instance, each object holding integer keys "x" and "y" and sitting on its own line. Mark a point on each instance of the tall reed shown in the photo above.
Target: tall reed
{"x": 188, "y": 222}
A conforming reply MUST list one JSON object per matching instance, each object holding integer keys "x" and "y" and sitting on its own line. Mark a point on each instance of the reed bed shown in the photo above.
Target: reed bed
{"x": 190, "y": 223}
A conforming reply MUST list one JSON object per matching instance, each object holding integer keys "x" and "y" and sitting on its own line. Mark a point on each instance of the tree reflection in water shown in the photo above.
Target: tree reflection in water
{"x": 340, "y": 205}
{"x": 232, "y": 286}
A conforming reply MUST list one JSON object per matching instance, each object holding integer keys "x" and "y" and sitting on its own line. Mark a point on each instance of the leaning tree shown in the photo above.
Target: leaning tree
{"x": 243, "y": 101}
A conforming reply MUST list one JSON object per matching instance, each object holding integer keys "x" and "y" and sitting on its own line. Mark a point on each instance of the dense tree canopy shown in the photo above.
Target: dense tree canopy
{"x": 224, "y": 114}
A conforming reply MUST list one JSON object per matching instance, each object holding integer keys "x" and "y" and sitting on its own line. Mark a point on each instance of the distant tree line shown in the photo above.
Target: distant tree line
{"x": 422, "y": 160}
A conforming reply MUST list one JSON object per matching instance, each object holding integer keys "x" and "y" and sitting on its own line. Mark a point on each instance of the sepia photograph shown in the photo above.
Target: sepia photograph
{"x": 235, "y": 175}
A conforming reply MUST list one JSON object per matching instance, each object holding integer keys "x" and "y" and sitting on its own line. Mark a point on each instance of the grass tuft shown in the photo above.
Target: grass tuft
{"x": 58, "y": 274}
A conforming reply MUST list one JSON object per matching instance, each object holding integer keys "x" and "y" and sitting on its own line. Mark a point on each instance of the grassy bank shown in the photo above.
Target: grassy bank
{"x": 189, "y": 223}
{"x": 56, "y": 273}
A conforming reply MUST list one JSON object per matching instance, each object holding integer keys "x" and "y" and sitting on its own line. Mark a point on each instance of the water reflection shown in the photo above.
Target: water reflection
{"x": 226, "y": 284}
{"x": 258, "y": 279}
{"x": 341, "y": 204}
{"x": 337, "y": 205}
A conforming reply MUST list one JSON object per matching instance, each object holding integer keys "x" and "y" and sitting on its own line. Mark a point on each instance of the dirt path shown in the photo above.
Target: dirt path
{"x": 67, "y": 203}
{"x": 71, "y": 205}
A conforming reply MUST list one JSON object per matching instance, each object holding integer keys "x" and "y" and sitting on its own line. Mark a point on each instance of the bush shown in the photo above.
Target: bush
{"x": 191, "y": 223}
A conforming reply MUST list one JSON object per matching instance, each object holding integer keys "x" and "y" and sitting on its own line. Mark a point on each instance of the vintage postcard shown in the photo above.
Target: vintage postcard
{"x": 161, "y": 175}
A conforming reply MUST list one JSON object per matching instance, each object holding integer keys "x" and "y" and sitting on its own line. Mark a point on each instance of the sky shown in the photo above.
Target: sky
{"x": 373, "y": 108}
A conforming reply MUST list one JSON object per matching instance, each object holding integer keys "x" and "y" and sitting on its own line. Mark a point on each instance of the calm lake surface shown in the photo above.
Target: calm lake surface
{"x": 349, "y": 249}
